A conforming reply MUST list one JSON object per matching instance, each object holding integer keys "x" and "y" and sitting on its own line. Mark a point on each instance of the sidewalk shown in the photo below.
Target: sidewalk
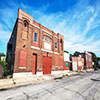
{"x": 20, "y": 81}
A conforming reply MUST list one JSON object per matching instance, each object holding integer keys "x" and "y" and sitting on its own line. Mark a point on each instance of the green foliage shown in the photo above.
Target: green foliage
{"x": 98, "y": 59}
{"x": 11, "y": 76}
{"x": 66, "y": 51}
{"x": 76, "y": 53}
{"x": 4, "y": 65}
{"x": 71, "y": 55}
{"x": 2, "y": 54}
{"x": 94, "y": 58}
{"x": 14, "y": 82}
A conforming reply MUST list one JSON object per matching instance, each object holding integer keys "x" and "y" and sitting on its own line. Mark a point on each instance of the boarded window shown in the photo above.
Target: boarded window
{"x": 25, "y": 30}
{"x": 22, "y": 58}
{"x": 24, "y": 35}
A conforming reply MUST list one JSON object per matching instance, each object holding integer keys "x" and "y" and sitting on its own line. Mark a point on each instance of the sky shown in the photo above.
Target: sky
{"x": 77, "y": 20}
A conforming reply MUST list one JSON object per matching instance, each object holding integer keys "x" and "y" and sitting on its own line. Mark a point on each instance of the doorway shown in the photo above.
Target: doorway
{"x": 47, "y": 63}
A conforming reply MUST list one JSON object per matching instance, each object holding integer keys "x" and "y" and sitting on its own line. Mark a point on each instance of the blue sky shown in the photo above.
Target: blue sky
{"x": 77, "y": 20}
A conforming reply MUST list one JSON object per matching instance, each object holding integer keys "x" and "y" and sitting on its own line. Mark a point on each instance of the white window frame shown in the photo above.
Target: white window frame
{"x": 34, "y": 37}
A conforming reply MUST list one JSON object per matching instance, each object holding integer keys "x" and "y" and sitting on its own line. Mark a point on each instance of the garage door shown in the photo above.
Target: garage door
{"x": 74, "y": 66}
{"x": 47, "y": 62}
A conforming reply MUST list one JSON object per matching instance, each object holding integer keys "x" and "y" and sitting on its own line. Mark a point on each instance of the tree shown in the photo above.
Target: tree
{"x": 66, "y": 51}
{"x": 77, "y": 53}
{"x": 2, "y": 54}
{"x": 4, "y": 65}
{"x": 98, "y": 62}
{"x": 94, "y": 58}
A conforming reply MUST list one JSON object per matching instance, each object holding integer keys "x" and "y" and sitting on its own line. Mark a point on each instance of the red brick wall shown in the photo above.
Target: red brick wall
{"x": 88, "y": 60}
{"x": 66, "y": 68}
{"x": 80, "y": 62}
{"x": 32, "y": 38}
{"x": 22, "y": 44}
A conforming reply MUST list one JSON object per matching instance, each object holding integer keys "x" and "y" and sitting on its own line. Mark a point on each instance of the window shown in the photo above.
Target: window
{"x": 66, "y": 64}
{"x": 50, "y": 41}
{"x": 22, "y": 59}
{"x": 25, "y": 23}
{"x": 47, "y": 39}
{"x": 61, "y": 44}
{"x": 43, "y": 37}
{"x": 25, "y": 30}
{"x": 55, "y": 45}
{"x": 35, "y": 36}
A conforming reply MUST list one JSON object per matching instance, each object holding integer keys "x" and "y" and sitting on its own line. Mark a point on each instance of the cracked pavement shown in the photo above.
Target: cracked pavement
{"x": 85, "y": 86}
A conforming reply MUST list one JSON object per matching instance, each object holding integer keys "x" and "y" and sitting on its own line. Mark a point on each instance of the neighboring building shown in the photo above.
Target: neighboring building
{"x": 98, "y": 63}
{"x": 87, "y": 60}
{"x": 77, "y": 63}
{"x": 33, "y": 47}
{"x": 67, "y": 61}
{"x": 2, "y": 58}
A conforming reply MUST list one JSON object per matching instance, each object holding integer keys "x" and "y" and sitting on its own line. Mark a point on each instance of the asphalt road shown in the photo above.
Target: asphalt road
{"x": 85, "y": 86}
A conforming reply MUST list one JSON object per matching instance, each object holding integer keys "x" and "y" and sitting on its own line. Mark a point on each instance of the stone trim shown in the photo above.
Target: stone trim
{"x": 47, "y": 50}
{"x": 35, "y": 26}
{"x": 56, "y": 53}
{"x": 22, "y": 67}
{"x": 33, "y": 47}
{"x": 47, "y": 32}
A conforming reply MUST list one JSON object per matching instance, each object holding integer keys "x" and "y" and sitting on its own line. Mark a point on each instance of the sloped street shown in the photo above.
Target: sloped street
{"x": 83, "y": 86}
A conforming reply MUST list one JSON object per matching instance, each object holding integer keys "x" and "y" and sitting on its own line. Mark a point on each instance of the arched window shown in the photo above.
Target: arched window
{"x": 47, "y": 39}
{"x": 61, "y": 44}
{"x": 25, "y": 24}
{"x": 25, "y": 30}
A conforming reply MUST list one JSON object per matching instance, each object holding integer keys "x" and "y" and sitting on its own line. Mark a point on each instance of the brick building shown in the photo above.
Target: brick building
{"x": 66, "y": 61}
{"x": 34, "y": 48}
{"x": 77, "y": 63}
{"x": 87, "y": 60}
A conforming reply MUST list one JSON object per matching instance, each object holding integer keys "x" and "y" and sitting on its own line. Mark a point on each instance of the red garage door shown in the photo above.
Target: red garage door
{"x": 47, "y": 62}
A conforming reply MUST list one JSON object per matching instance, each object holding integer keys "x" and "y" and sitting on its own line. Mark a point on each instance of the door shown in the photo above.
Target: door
{"x": 34, "y": 64}
{"x": 47, "y": 62}
{"x": 74, "y": 66}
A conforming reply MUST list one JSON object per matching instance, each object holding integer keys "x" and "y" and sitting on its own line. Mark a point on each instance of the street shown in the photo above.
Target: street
{"x": 83, "y": 86}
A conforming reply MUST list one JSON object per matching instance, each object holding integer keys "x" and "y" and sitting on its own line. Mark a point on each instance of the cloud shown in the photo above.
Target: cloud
{"x": 80, "y": 25}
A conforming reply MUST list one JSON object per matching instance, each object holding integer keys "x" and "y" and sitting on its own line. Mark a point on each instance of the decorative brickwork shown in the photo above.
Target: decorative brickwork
{"x": 34, "y": 38}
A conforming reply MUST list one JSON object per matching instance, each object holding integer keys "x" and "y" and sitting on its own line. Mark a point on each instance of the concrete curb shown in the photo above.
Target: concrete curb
{"x": 18, "y": 82}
